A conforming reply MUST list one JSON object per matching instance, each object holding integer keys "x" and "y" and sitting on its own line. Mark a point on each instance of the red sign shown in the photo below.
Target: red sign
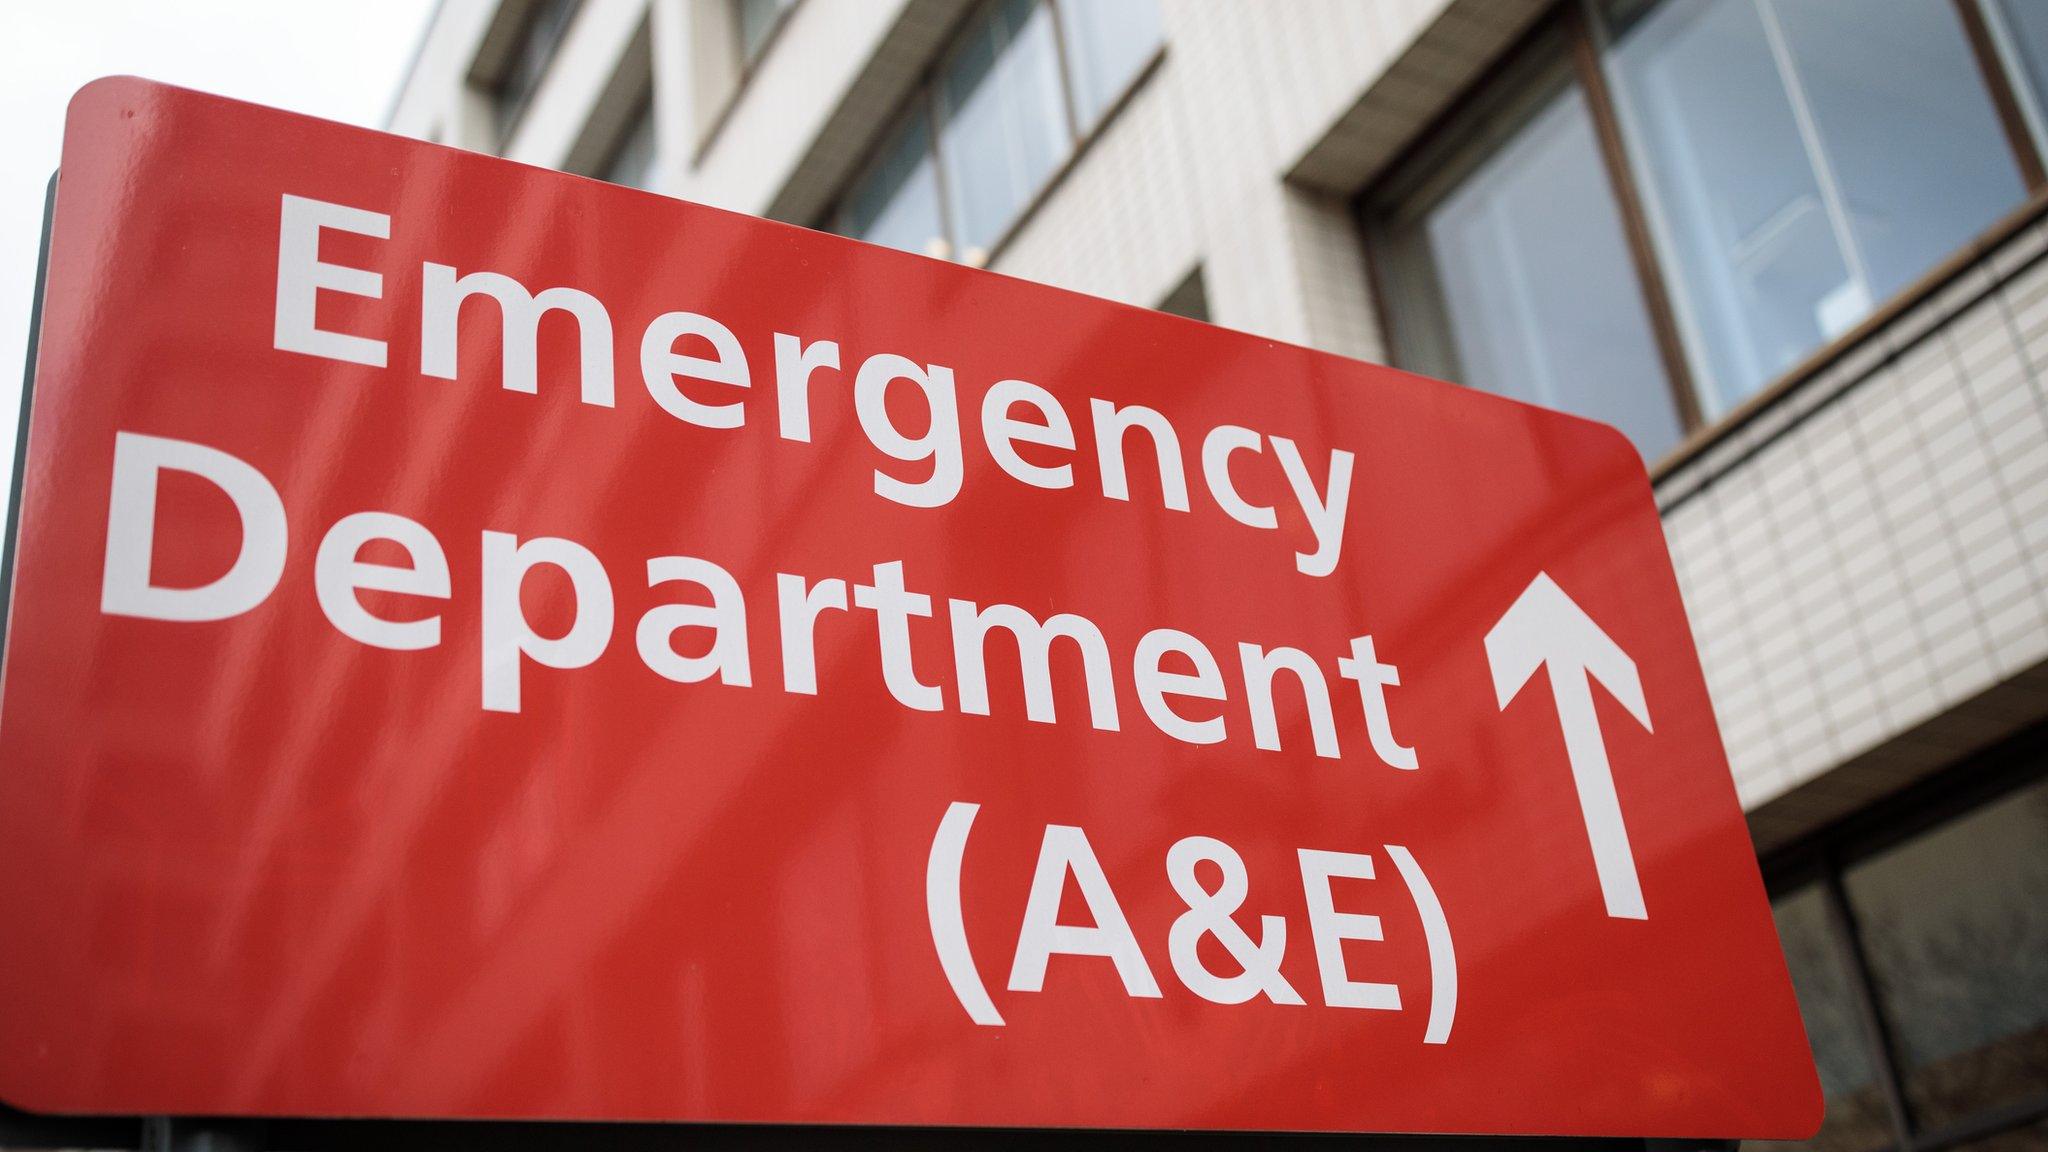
{"x": 490, "y": 643}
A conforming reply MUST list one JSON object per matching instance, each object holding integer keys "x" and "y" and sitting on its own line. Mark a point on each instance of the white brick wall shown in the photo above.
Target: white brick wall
{"x": 1873, "y": 552}
{"x": 1190, "y": 172}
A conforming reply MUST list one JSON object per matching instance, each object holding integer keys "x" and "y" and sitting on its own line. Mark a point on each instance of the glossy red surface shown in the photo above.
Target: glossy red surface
{"x": 254, "y": 866}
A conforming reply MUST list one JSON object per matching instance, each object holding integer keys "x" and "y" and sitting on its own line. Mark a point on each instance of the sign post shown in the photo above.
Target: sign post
{"x": 486, "y": 644}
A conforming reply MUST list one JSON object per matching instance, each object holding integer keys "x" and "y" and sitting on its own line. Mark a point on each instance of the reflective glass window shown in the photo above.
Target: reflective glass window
{"x": 896, "y": 201}
{"x": 1509, "y": 270}
{"x": 2020, "y": 28}
{"x": 1857, "y": 1117}
{"x": 1107, "y": 43}
{"x": 1005, "y": 121}
{"x": 1802, "y": 161}
{"x": 632, "y": 159}
{"x": 1955, "y": 928}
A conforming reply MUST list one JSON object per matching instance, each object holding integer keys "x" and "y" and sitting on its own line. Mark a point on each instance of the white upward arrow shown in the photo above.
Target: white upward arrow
{"x": 1545, "y": 629}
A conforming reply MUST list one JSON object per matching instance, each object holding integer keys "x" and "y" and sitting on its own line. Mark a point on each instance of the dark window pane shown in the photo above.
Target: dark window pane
{"x": 1804, "y": 160}
{"x": 1514, "y": 276}
{"x": 896, "y": 201}
{"x": 1856, "y": 1118}
{"x": 1955, "y": 926}
{"x": 546, "y": 23}
{"x": 1903, "y": 76}
{"x": 1106, "y": 45}
{"x": 632, "y": 159}
{"x": 1190, "y": 298}
{"x": 1761, "y": 276}
{"x": 1005, "y": 120}
{"x": 757, "y": 18}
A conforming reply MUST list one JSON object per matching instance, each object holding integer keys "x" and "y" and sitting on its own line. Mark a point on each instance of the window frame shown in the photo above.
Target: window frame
{"x": 1823, "y": 857}
{"x": 508, "y": 115}
{"x": 924, "y": 93}
{"x": 1571, "y": 27}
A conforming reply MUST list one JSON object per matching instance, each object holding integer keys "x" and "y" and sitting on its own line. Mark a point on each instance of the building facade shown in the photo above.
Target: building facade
{"x": 1794, "y": 249}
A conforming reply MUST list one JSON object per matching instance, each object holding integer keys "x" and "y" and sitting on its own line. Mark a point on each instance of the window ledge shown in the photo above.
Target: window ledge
{"x": 1713, "y": 451}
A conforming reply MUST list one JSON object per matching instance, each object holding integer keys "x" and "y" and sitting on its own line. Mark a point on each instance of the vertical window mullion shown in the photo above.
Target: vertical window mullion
{"x": 1059, "y": 50}
{"x": 1832, "y": 198}
{"x": 1877, "y": 1034}
{"x": 1374, "y": 238}
{"x": 1984, "y": 47}
{"x": 1635, "y": 222}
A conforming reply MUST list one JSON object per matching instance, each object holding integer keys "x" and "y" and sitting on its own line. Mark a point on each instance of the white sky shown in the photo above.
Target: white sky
{"x": 341, "y": 59}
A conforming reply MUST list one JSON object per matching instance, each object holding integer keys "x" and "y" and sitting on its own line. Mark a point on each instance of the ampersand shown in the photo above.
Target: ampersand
{"x": 1209, "y": 914}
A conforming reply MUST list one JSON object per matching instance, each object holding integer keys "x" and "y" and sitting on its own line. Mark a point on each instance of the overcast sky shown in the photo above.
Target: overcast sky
{"x": 341, "y": 59}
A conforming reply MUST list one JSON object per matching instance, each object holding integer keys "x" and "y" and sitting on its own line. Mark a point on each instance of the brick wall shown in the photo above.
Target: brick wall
{"x": 1872, "y": 551}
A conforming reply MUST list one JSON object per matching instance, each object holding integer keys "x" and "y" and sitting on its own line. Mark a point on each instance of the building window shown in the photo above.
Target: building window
{"x": 1856, "y": 1115}
{"x": 1005, "y": 125}
{"x": 1014, "y": 94}
{"x": 632, "y": 158}
{"x": 1955, "y": 930}
{"x": 540, "y": 32}
{"x": 1106, "y": 45}
{"x": 1190, "y": 298}
{"x": 1673, "y": 203}
{"x": 896, "y": 202}
{"x": 2019, "y": 29}
{"x": 1920, "y": 956}
{"x": 1481, "y": 238}
{"x": 1802, "y": 162}
{"x": 756, "y": 21}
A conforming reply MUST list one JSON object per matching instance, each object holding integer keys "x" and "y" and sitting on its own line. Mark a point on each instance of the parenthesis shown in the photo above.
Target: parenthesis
{"x": 1436, "y": 932}
{"x": 942, "y": 907}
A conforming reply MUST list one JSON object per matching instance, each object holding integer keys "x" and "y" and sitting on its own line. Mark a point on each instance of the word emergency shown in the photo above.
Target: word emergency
{"x": 689, "y": 361}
